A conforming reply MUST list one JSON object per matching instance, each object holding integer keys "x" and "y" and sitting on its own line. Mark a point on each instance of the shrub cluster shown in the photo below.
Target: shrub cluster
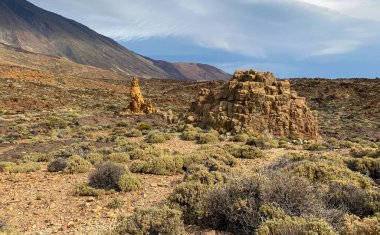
{"x": 245, "y": 151}
{"x": 152, "y": 221}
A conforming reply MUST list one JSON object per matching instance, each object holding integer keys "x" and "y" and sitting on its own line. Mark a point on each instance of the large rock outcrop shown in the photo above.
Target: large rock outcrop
{"x": 137, "y": 104}
{"x": 256, "y": 101}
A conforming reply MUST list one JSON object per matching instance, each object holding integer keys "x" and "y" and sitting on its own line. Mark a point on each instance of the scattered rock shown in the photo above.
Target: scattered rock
{"x": 256, "y": 101}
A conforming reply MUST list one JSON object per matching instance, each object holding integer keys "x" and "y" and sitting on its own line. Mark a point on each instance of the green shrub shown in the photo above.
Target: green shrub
{"x": 314, "y": 147}
{"x": 366, "y": 165}
{"x": 356, "y": 200}
{"x": 262, "y": 142}
{"x": 95, "y": 158}
{"x": 85, "y": 190}
{"x": 296, "y": 225}
{"x": 107, "y": 176}
{"x": 77, "y": 164}
{"x": 129, "y": 182}
{"x": 201, "y": 174}
{"x": 134, "y": 133}
{"x": 152, "y": 221}
{"x": 37, "y": 157}
{"x": 21, "y": 167}
{"x": 245, "y": 151}
{"x": 208, "y": 138}
{"x": 353, "y": 225}
{"x": 138, "y": 166}
{"x": 116, "y": 203}
{"x": 363, "y": 152}
{"x": 165, "y": 165}
{"x": 215, "y": 159}
{"x": 4, "y": 165}
{"x": 54, "y": 123}
{"x": 144, "y": 127}
{"x": 241, "y": 138}
{"x": 118, "y": 157}
{"x": 190, "y": 135}
{"x": 57, "y": 165}
{"x": 155, "y": 137}
{"x": 122, "y": 124}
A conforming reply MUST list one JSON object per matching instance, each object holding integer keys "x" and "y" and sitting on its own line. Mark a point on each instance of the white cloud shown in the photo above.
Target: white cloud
{"x": 255, "y": 28}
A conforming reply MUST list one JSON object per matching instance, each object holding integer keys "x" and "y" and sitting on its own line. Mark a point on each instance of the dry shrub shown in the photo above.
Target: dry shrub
{"x": 118, "y": 157}
{"x": 245, "y": 151}
{"x": 201, "y": 174}
{"x": 165, "y": 165}
{"x": 107, "y": 176}
{"x": 85, "y": 190}
{"x": 152, "y": 221}
{"x": 208, "y": 138}
{"x": 353, "y": 225}
{"x": 76, "y": 164}
{"x": 129, "y": 182}
{"x": 21, "y": 167}
{"x": 57, "y": 165}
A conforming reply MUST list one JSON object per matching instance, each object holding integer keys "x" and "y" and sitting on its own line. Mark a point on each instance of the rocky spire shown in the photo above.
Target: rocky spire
{"x": 137, "y": 103}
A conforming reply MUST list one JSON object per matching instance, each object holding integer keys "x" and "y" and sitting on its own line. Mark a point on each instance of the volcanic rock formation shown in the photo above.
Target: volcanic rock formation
{"x": 137, "y": 104}
{"x": 256, "y": 101}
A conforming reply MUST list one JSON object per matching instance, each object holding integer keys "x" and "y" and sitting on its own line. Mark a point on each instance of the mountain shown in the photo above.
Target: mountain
{"x": 24, "y": 26}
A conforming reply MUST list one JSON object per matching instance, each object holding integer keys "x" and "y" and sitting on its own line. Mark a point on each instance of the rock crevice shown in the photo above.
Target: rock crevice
{"x": 256, "y": 101}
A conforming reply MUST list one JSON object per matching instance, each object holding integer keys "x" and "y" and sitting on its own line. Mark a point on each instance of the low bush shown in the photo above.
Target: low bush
{"x": 164, "y": 165}
{"x": 77, "y": 164}
{"x": 263, "y": 142}
{"x": 128, "y": 183}
{"x": 85, "y": 190}
{"x": 21, "y": 167}
{"x": 201, "y": 174}
{"x": 186, "y": 197}
{"x": 353, "y": 225}
{"x": 241, "y": 138}
{"x": 156, "y": 137}
{"x": 208, "y": 138}
{"x": 134, "y": 133}
{"x": 118, "y": 157}
{"x": 365, "y": 152}
{"x": 190, "y": 135}
{"x": 366, "y": 166}
{"x": 95, "y": 158}
{"x": 107, "y": 176}
{"x": 144, "y": 127}
{"x": 57, "y": 165}
{"x": 245, "y": 151}
{"x": 152, "y": 221}
{"x": 116, "y": 204}
{"x": 296, "y": 225}
{"x": 214, "y": 158}
{"x": 37, "y": 157}
{"x": 314, "y": 147}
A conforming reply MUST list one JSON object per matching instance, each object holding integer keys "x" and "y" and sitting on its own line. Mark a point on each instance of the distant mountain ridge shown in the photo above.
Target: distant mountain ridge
{"x": 24, "y": 26}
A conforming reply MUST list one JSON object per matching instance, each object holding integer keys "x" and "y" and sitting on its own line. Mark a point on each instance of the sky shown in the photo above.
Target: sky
{"x": 292, "y": 38}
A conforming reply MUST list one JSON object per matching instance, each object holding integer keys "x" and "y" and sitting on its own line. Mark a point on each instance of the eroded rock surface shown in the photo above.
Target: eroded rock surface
{"x": 256, "y": 101}
{"x": 137, "y": 104}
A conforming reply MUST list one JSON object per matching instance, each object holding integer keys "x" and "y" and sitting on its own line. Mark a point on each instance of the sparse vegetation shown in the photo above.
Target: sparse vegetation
{"x": 107, "y": 176}
{"x": 129, "y": 182}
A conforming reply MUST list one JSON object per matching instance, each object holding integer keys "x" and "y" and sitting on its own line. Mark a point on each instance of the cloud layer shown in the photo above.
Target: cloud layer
{"x": 296, "y": 30}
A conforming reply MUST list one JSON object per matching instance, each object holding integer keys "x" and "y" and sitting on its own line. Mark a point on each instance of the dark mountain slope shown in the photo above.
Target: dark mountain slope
{"x": 28, "y": 27}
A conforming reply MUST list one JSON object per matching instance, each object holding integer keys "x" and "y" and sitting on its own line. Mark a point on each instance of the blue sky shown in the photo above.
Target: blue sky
{"x": 292, "y": 38}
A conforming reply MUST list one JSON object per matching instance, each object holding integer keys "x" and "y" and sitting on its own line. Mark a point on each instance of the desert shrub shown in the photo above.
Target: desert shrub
{"x": 4, "y": 165}
{"x": 37, "y": 157}
{"x": 144, "y": 127}
{"x": 134, "y": 133}
{"x": 138, "y": 166}
{"x": 54, "y": 123}
{"x": 81, "y": 149}
{"x": 353, "y": 225}
{"x": 291, "y": 225}
{"x": 122, "y": 124}
{"x": 241, "y": 138}
{"x": 118, "y": 157}
{"x": 3, "y": 224}
{"x": 21, "y": 167}
{"x": 357, "y": 200}
{"x": 116, "y": 203}
{"x": 214, "y": 158}
{"x": 208, "y": 138}
{"x": 325, "y": 171}
{"x": 236, "y": 206}
{"x": 314, "y": 147}
{"x": 262, "y": 142}
{"x": 85, "y": 190}
{"x": 186, "y": 197}
{"x": 95, "y": 158}
{"x": 155, "y": 137}
{"x": 164, "y": 165}
{"x": 366, "y": 165}
{"x": 365, "y": 152}
{"x": 152, "y": 221}
{"x": 128, "y": 183}
{"x": 190, "y": 135}
{"x": 77, "y": 164}
{"x": 245, "y": 151}
{"x": 201, "y": 174}
{"x": 57, "y": 165}
{"x": 107, "y": 175}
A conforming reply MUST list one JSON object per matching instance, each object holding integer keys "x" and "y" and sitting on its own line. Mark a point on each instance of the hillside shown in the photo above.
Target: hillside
{"x": 26, "y": 27}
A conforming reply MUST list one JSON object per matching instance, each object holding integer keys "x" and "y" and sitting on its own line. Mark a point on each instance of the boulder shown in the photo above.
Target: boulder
{"x": 255, "y": 101}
